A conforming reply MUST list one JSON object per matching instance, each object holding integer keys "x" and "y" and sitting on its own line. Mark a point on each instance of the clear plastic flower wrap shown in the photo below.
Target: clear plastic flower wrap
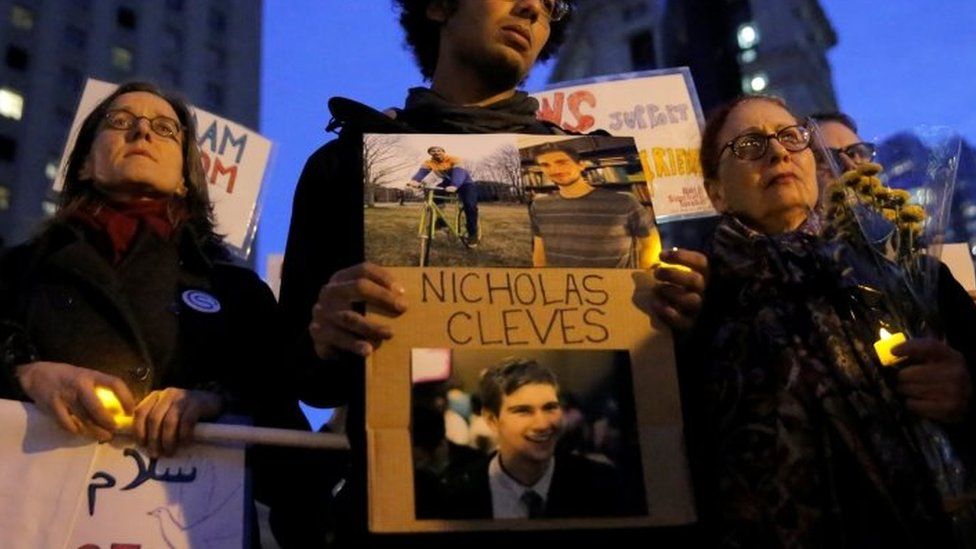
{"x": 890, "y": 241}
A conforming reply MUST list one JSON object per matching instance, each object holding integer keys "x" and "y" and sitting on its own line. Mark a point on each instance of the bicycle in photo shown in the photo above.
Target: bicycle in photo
{"x": 437, "y": 210}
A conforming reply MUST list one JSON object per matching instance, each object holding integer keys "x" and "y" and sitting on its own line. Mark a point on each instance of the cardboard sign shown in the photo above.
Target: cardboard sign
{"x": 235, "y": 160}
{"x": 660, "y": 110}
{"x": 592, "y": 330}
{"x": 60, "y": 490}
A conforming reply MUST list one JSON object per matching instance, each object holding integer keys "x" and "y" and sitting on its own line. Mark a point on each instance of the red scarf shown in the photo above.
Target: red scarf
{"x": 120, "y": 222}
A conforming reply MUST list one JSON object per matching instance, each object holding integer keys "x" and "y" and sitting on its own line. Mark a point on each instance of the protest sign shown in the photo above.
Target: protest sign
{"x": 593, "y": 330}
{"x": 235, "y": 160}
{"x": 660, "y": 110}
{"x": 61, "y": 490}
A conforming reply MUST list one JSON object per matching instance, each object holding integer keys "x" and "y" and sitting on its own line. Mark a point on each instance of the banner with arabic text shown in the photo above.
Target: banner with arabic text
{"x": 59, "y": 490}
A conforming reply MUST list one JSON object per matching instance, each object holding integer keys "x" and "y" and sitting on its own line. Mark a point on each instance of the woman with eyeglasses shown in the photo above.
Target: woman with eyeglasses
{"x": 803, "y": 443}
{"x": 130, "y": 288}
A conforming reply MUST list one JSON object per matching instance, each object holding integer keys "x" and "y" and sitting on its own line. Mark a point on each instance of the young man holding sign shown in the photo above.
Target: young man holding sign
{"x": 475, "y": 53}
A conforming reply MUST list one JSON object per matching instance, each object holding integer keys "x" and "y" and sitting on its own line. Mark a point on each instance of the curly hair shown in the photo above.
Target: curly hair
{"x": 423, "y": 35}
{"x": 78, "y": 192}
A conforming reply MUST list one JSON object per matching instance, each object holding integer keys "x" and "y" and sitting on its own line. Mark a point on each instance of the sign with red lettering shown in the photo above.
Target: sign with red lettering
{"x": 234, "y": 159}
{"x": 660, "y": 110}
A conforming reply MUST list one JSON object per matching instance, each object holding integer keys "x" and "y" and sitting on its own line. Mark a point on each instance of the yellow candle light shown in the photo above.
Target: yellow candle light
{"x": 114, "y": 407}
{"x": 884, "y": 345}
{"x": 673, "y": 265}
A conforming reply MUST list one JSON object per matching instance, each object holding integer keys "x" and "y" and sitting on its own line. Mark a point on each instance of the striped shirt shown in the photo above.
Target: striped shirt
{"x": 599, "y": 229}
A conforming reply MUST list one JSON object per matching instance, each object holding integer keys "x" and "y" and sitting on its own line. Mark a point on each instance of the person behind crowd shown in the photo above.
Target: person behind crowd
{"x": 809, "y": 446}
{"x": 480, "y": 435}
{"x": 454, "y": 178}
{"x": 475, "y": 53}
{"x": 583, "y": 226}
{"x": 130, "y": 288}
{"x": 839, "y": 134}
{"x": 526, "y": 477}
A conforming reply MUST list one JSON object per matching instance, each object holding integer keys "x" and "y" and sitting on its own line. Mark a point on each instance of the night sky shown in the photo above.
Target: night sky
{"x": 898, "y": 63}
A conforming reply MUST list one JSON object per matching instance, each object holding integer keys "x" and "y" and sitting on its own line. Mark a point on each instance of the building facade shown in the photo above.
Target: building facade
{"x": 731, "y": 46}
{"x": 207, "y": 50}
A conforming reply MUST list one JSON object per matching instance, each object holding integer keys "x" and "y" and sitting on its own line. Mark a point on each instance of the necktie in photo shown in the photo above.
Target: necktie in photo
{"x": 533, "y": 502}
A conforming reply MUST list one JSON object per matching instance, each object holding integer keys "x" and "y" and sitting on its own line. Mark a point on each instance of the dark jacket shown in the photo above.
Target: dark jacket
{"x": 165, "y": 316}
{"x": 580, "y": 488}
{"x": 326, "y": 235}
{"x": 810, "y": 444}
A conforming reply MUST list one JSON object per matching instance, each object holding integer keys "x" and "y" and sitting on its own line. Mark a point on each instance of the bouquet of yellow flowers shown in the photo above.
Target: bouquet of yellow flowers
{"x": 891, "y": 246}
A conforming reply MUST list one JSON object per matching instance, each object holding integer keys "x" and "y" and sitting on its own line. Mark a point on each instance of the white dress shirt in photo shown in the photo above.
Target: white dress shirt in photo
{"x": 506, "y": 492}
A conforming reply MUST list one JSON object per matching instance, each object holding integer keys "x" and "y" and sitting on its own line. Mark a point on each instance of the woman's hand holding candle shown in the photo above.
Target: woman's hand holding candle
{"x": 935, "y": 380}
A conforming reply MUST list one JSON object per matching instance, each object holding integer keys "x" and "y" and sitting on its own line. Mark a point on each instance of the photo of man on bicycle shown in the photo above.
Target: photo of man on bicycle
{"x": 455, "y": 178}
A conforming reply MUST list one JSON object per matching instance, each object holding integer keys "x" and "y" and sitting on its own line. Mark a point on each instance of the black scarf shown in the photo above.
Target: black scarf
{"x": 427, "y": 111}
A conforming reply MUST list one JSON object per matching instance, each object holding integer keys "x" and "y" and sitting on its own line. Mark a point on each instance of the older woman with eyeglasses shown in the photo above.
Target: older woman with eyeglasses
{"x": 805, "y": 444}
{"x": 129, "y": 287}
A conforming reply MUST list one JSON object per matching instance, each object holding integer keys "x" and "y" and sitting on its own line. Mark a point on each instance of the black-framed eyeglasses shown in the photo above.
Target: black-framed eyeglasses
{"x": 753, "y": 146}
{"x": 555, "y": 10}
{"x": 858, "y": 152}
{"x": 163, "y": 126}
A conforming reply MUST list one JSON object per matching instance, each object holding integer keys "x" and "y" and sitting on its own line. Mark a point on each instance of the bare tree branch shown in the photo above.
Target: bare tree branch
{"x": 384, "y": 163}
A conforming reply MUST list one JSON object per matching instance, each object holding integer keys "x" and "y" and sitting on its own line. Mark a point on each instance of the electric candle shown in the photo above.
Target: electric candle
{"x": 884, "y": 345}
{"x": 114, "y": 407}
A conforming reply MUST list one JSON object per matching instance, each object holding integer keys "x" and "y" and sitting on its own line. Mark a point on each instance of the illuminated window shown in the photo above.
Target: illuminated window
{"x": 755, "y": 83}
{"x": 51, "y": 169}
{"x": 747, "y": 56}
{"x": 21, "y": 17}
{"x": 11, "y": 104}
{"x": 121, "y": 58}
{"x": 4, "y": 197}
{"x": 747, "y": 36}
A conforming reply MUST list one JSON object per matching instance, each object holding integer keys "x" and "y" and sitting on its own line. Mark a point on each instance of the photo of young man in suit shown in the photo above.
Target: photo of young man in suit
{"x": 527, "y": 477}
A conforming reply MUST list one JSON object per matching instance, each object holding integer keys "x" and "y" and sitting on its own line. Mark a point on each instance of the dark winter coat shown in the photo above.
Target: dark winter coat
{"x": 165, "y": 316}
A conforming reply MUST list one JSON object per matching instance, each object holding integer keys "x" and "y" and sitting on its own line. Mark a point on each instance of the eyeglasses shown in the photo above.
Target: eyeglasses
{"x": 555, "y": 10}
{"x": 163, "y": 126}
{"x": 858, "y": 152}
{"x": 753, "y": 146}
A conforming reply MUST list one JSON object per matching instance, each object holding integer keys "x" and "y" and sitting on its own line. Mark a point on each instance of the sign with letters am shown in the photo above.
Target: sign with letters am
{"x": 660, "y": 110}
{"x": 235, "y": 160}
{"x": 60, "y": 490}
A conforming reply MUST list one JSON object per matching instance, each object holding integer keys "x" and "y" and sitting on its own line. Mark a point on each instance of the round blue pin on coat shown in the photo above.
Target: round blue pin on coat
{"x": 201, "y": 301}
